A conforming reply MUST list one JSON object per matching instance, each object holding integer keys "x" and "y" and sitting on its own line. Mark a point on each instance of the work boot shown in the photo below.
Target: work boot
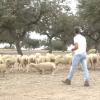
{"x": 67, "y": 81}
{"x": 86, "y": 83}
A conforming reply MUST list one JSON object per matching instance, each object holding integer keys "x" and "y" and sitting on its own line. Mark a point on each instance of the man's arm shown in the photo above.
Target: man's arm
{"x": 75, "y": 47}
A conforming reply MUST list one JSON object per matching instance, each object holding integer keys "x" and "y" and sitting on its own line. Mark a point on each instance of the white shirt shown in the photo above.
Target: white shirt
{"x": 81, "y": 41}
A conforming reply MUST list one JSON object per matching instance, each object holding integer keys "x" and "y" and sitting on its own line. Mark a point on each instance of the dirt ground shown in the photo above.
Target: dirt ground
{"x": 33, "y": 86}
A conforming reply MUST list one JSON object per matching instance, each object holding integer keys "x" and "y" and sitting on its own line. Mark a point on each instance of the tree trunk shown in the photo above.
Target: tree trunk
{"x": 10, "y": 45}
{"x": 96, "y": 45}
{"x": 18, "y": 47}
{"x": 50, "y": 45}
{"x": 64, "y": 46}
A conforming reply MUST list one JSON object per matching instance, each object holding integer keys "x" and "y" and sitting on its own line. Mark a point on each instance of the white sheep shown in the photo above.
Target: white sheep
{"x": 64, "y": 60}
{"x": 92, "y": 51}
{"x": 10, "y": 63}
{"x": 39, "y": 59}
{"x": 52, "y": 57}
{"x": 49, "y": 57}
{"x": 9, "y": 60}
{"x": 37, "y": 55}
{"x": 42, "y": 68}
{"x": 69, "y": 58}
{"x": 1, "y": 61}
{"x": 92, "y": 60}
{"x": 31, "y": 59}
{"x": 23, "y": 62}
{"x": 3, "y": 69}
{"x": 60, "y": 60}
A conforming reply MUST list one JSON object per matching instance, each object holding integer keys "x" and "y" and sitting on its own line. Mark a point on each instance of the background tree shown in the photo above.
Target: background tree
{"x": 19, "y": 17}
{"x": 66, "y": 23}
{"x": 57, "y": 44}
{"x": 48, "y": 25}
{"x": 6, "y": 38}
{"x": 30, "y": 43}
{"x": 89, "y": 10}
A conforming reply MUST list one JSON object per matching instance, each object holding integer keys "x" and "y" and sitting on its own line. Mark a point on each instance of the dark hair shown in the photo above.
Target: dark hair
{"x": 77, "y": 30}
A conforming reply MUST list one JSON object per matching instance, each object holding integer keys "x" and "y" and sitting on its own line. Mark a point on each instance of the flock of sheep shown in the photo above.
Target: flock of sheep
{"x": 41, "y": 63}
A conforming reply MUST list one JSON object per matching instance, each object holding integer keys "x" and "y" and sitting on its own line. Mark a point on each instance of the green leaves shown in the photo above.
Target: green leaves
{"x": 90, "y": 10}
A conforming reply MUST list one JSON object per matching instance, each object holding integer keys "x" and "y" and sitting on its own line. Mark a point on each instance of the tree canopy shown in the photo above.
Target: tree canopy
{"x": 89, "y": 11}
{"x": 47, "y": 17}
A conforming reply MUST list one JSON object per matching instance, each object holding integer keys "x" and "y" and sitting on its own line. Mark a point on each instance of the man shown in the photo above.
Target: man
{"x": 79, "y": 50}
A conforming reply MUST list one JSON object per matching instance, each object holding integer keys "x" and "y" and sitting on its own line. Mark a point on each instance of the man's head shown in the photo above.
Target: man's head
{"x": 77, "y": 30}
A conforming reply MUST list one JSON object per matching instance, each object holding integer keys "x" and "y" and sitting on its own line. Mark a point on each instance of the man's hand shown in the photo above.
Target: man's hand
{"x": 70, "y": 47}
{"x": 75, "y": 47}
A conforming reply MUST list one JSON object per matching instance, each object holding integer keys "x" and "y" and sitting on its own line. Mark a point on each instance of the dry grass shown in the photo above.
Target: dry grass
{"x": 28, "y": 52}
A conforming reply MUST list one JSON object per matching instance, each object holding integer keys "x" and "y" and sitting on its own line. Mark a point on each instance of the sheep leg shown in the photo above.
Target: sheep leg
{"x": 12, "y": 68}
{"x": 43, "y": 71}
{"x": 54, "y": 71}
{"x": 40, "y": 71}
{"x": 27, "y": 69}
{"x": 2, "y": 74}
{"x": 94, "y": 62}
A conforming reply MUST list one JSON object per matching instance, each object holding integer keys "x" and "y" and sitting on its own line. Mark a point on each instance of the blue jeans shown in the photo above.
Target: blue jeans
{"x": 79, "y": 58}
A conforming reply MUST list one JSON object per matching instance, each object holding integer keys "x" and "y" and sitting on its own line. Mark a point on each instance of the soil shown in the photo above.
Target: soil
{"x": 34, "y": 86}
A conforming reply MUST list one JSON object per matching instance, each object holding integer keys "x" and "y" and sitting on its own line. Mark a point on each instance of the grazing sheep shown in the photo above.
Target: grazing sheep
{"x": 52, "y": 57}
{"x": 92, "y": 51}
{"x": 60, "y": 60}
{"x": 10, "y": 62}
{"x": 92, "y": 60}
{"x": 18, "y": 59}
{"x": 42, "y": 68}
{"x": 18, "y": 62}
{"x": 69, "y": 58}
{"x": 31, "y": 59}
{"x": 24, "y": 62}
{"x": 47, "y": 58}
{"x": 1, "y": 61}
{"x": 37, "y": 56}
{"x": 64, "y": 60}
{"x": 38, "y": 59}
{"x": 3, "y": 69}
